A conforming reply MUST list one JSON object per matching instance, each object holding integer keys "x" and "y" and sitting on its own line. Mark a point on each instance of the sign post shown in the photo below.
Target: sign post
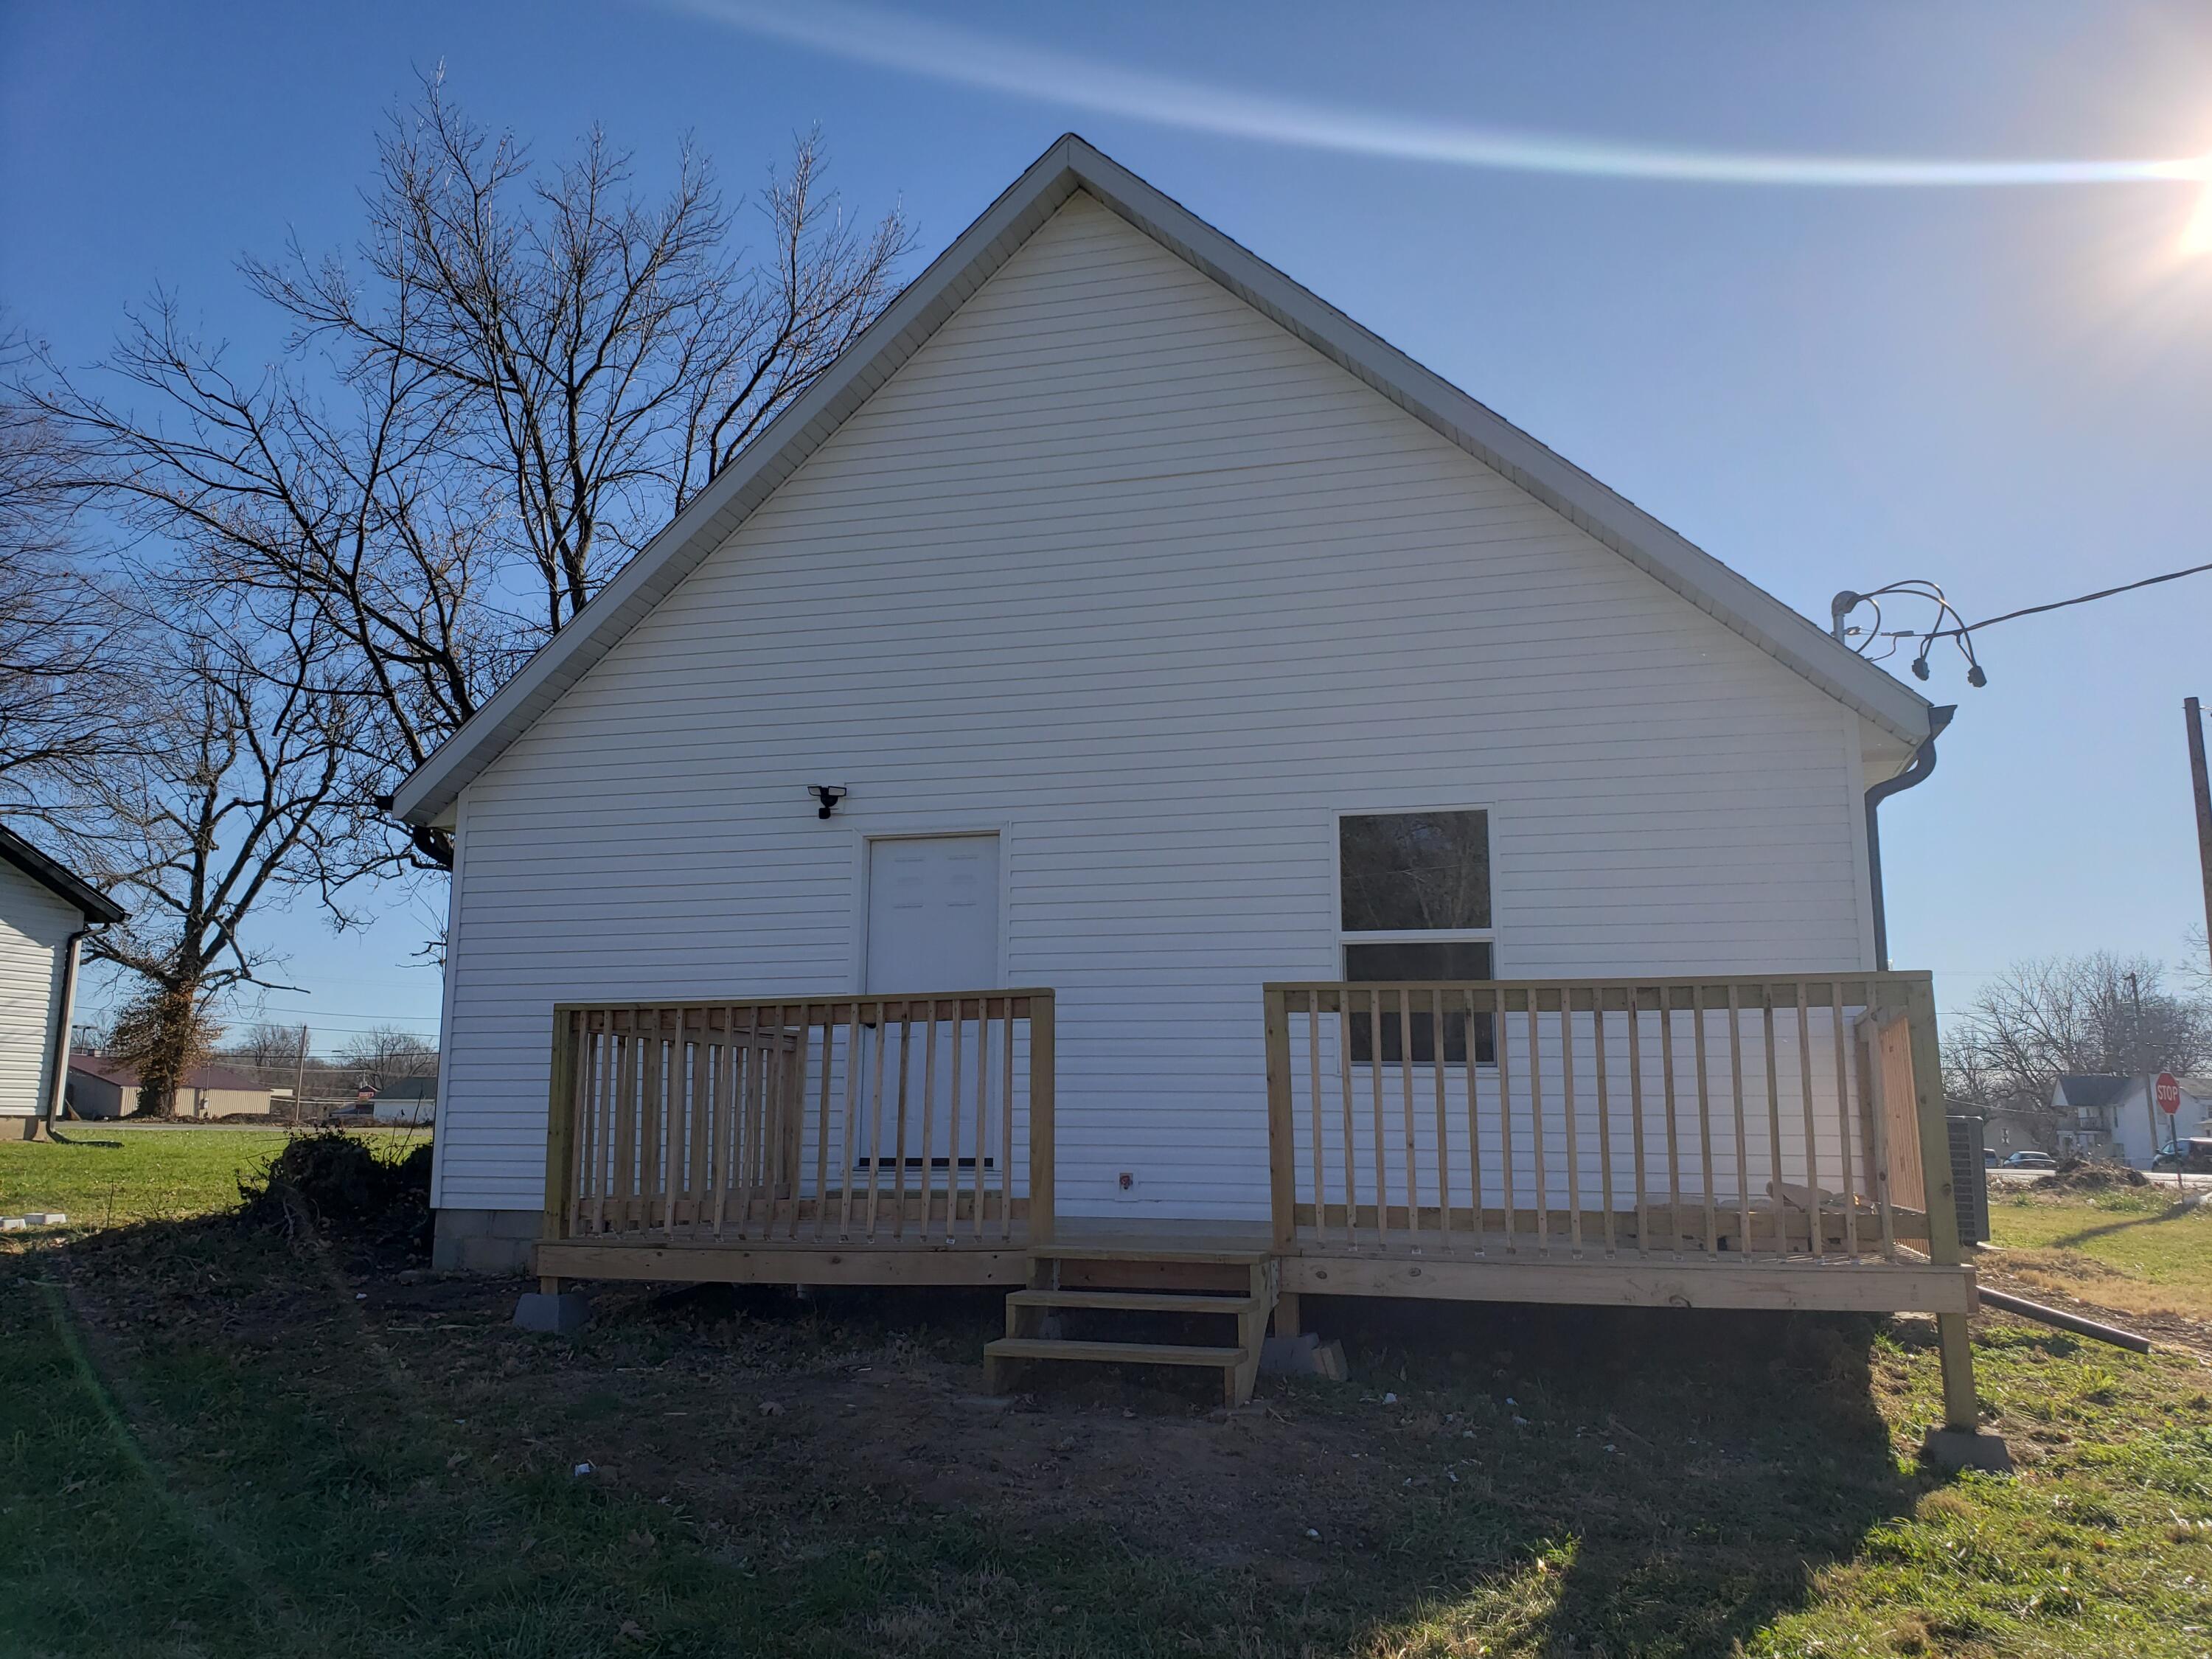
{"x": 2167, "y": 1092}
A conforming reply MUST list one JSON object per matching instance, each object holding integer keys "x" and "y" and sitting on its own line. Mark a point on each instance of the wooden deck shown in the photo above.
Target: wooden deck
{"x": 1739, "y": 1143}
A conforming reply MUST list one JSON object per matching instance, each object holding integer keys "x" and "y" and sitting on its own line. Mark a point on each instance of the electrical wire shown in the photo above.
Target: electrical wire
{"x": 1920, "y": 588}
{"x": 1961, "y": 631}
{"x": 2060, "y": 605}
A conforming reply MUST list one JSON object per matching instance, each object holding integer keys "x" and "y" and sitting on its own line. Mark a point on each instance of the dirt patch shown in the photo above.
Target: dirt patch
{"x": 2083, "y": 1176}
{"x": 812, "y": 1399}
{"x": 2169, "y": 1330}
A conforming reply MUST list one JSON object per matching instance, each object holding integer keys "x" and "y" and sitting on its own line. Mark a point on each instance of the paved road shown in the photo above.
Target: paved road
{"x": 2195, "y": 1183}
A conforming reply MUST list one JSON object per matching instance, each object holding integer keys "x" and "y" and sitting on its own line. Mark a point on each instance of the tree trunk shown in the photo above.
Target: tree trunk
{"x": 170, "y": 1047}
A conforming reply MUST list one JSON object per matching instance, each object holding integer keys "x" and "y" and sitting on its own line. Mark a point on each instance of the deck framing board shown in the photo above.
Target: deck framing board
{"x": 1868, "y": 1287}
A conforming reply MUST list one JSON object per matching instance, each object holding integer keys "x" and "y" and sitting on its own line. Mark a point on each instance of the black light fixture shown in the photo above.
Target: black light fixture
{"x": 826, "y": 795}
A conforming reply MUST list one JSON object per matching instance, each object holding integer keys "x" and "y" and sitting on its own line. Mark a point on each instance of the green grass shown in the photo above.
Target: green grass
{"x": 2135, "y": 1249}
{"x": 223, "y": 1443}
{"x": 154, "y": 1175}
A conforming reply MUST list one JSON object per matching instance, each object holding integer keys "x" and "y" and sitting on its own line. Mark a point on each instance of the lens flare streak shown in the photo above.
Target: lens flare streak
{"x": 964, "y": 57}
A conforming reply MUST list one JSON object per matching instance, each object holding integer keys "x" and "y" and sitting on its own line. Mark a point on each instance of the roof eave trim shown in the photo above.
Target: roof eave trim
{"x": 90, "y": 902}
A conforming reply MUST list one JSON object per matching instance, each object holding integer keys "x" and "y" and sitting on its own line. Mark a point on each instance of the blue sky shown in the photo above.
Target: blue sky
{"x": 2005, "y": 388}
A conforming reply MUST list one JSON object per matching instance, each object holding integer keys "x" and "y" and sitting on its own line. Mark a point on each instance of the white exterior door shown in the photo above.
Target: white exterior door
{"x": 933, "y": 927}
{"x": 933, "y": 914}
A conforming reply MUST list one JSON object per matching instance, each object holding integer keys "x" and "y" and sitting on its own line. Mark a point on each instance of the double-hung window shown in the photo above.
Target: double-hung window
{"x": 1413, "y": 904}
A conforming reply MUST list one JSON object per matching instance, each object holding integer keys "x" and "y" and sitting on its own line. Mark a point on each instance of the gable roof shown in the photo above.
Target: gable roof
{"x": 1069, "y": 166}
{"x": 2086, "y": 1091}
{"x": 200, "y": 1077}
{"x": 91, "y": 904}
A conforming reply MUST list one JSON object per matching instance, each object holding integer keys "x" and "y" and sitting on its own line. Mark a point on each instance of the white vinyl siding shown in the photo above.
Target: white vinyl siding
{"x": 34, "y": 932}
{"x": 1117, "y": 564}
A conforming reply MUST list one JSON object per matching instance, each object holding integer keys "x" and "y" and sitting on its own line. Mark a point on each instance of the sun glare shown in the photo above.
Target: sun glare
{"x": 2196, "y": 234}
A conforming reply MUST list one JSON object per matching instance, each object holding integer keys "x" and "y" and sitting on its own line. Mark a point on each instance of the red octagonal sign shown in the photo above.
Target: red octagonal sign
{"x": 2169, "y": 1093}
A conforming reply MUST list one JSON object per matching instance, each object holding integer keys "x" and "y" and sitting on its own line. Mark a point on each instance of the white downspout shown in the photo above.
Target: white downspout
{"x": 59, "y": 1093}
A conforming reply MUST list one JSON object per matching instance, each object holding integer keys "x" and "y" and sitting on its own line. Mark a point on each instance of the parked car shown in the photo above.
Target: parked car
{"x": 1989, "y": 1158}
{"x": 2031, "y": 1161}
{"x": 2193, "y": 1155}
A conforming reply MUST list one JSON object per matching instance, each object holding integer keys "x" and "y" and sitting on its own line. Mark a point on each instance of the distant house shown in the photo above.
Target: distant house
{"x": 2109, "y": 1116}
{"x": 98, "y": 1087}
{"x": 403, "y": 1100}
{"x": 2006, "y": 1130}
{"x": 44, "y": 913}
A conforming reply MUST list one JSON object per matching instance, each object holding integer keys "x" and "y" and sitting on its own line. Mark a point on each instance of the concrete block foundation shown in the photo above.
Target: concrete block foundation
{"x": 491, "y": 1241}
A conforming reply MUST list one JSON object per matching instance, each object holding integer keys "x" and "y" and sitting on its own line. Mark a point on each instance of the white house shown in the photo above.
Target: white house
{"x": 44, "y": 913}
{"x": 1159, "y": 635}
{"x": 404, "y": 1100}
{"x": 2111, "y": 1116}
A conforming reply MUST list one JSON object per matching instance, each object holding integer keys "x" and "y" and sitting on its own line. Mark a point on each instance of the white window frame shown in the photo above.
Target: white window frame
{"x": 1344, "y": 938}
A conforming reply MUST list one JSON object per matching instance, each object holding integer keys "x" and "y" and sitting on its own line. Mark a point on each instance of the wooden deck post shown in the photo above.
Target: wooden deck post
{"x": 561, "y": 1125}
{"x": 1959, "y": 1409}
{"x": 1042, "y": 1154}
{"x": 1282, "y": 1132}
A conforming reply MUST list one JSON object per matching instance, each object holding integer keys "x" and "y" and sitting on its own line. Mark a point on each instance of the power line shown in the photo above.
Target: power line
{"x": 2060, "y": 605}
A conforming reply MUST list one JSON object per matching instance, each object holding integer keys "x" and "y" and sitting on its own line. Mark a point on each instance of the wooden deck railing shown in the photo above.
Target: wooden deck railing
{"x": 1763, "y": 1117}
{"x": 924, "y": 1119}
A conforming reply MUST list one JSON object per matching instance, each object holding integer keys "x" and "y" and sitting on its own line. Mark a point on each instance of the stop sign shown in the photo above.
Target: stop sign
{"x": 2169, "y": 1093}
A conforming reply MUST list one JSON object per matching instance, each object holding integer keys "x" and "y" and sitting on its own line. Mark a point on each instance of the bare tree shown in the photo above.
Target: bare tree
{"x": 2044, "y": 1019}
{"x": 228, "y": 803}
{"x": 385, "y": 1054}
{"x": 265, "y": 1046}
{"x": 534, "y": 369}
{"x": 60, "y": 683}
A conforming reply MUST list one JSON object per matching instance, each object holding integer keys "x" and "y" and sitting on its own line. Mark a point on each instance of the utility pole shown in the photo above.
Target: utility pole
{"x": 299, "y": 1077}
{"x": 2203, "y": 789}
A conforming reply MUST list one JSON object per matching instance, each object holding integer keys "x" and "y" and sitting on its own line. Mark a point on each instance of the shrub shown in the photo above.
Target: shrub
{"x": 329, "y": 1177}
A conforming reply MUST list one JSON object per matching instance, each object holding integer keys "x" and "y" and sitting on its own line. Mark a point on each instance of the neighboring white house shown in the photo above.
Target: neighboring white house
{"x": 2108, "y": 1117}
{"x": 45, "y": 912}
{"x": 1159, "y": 620}
{"x": 403, "y": 1100}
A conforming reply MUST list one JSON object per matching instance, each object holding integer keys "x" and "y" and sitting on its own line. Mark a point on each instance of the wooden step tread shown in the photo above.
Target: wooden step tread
{"x": 1126, "y": 1353}
{"x": 1139, "y": 1301}
{"x": 1135, "y": 1250}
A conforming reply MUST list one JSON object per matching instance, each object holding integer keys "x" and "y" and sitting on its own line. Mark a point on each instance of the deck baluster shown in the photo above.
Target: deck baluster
{"x": 1735, "y": 1098}
{"x": 1704, "y": 1122}
{"x": 1474, "y": 1133}
{"x": 1850, "y": 1143}
{"x": 1536, "y": 1128}
{"x": 1816, "y": 1228}
{"x": 1444, "y": 1134}
{"x": 1501, "y": 1026}
{"x": 1636, "y": 1118}
{"x": 1604, "y": 1114}
{"x": 1574, "y": 1148}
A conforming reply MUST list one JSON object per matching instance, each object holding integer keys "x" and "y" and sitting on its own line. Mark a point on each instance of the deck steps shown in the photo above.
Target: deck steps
{"x": 1035, "y": 1315}
{"x": 1133, "y": 1301}
{"x": 1116, "y": 1353}
{"x": 1232, "y": 1256}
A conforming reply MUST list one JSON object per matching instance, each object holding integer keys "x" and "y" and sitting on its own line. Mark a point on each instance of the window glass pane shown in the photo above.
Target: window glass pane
{"x": 1411, "y": 872}
{"x": 1416, "y": 962}
{"x": 1412, "y": 959}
